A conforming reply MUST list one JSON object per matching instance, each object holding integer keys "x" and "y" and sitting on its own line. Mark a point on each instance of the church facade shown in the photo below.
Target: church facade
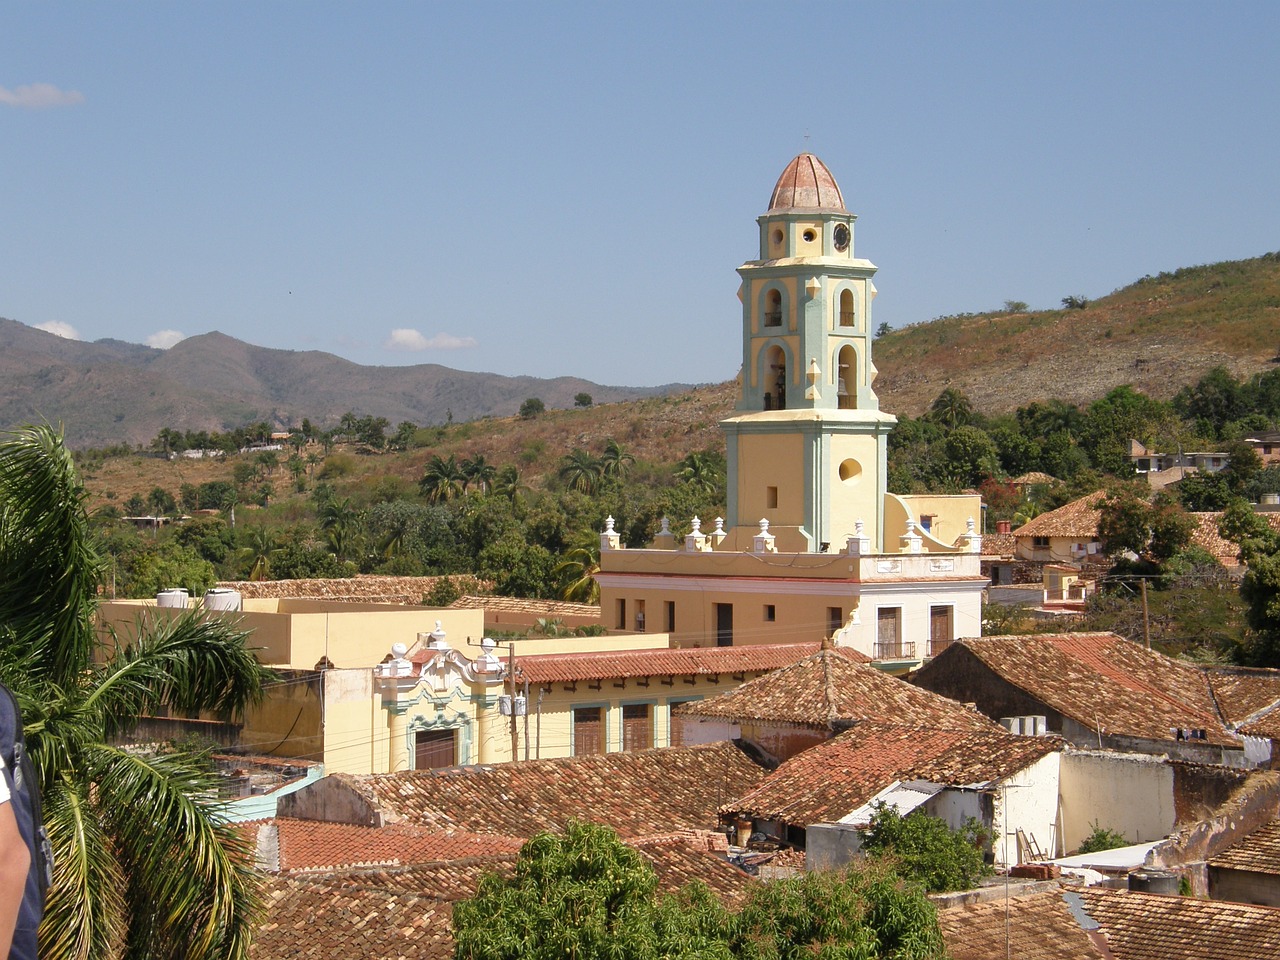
{"x": 814, "y": 546}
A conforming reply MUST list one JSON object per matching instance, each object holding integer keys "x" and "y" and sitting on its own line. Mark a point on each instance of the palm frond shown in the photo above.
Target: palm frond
{"x": 193, "y": 889}
{"x": 85, "y": 911}
{"x": 49, "y": 568}
{"x": 188, "y": 662}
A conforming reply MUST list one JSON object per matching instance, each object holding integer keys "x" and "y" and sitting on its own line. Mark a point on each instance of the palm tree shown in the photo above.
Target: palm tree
{"x": 578, "y": 570}
{"x": 144, "y": 864}
{"x": 507, "y": 484}
{"x": 340, "y": 521}
{"x": 443, "y": 479}
{"x": 479, "y": 471}
{"x": 615, "y": 461}
{"x": 260, "y": 545}
{"x": 581, "y": 471}
{"x": 701, "y": 472}
{"x": 951, "y": 409}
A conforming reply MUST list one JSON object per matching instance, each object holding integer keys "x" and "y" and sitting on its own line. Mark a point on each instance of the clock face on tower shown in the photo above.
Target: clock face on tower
{"x": 841, "y": 237}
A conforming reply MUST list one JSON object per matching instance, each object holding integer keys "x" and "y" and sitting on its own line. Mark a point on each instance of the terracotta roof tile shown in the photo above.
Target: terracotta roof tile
{"x": 1097, "y": 679}
{"x": 315, "y": 919}
{"x": 998, "y": 545}
{"x": 1142, "y": 926}
{"x": 366, "y": 588}
{"x": 1033, "y": 478}
{"x": 634, "y": 793}
{"x": 1034, "y": 927}
{"x": 544, "y": 608}
{"x": 829, "y": 689}
{"x": 834, "y": 778}
{"x": 1206, "y": 537}
{"x": 1079, "y": 518}
{"x": 310, "y": 845}
{"x": 1248, "y": 698}
{"x": 687, "y": 661}
{"x": 1259, "y": 852}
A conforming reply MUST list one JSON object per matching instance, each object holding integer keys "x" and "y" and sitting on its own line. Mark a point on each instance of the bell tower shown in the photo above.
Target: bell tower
{"x": 807, "y": 445}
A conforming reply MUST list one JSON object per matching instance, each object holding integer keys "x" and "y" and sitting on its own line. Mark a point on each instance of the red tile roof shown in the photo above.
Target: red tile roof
{"x": 1033, "y": 927}
{"x": 1096, "y": 679}
{"x": 1249, "y": 698}
{"x": 828, "y": 690}
{"x": 311, "y": 845}
{"x": 834, "y": 778}
{"x": 687, "y": 661}
{"x": 634, "y": 793}
{"x": 1142, "y": 926}
{"x": 1078, "y": 519}
{"x": 1259, "y": 852}
{"x": 312, "y": 919}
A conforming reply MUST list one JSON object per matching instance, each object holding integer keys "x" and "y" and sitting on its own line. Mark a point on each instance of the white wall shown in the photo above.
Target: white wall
{"x": 1027, "y": 801}
{"x": 1131, "y": 793}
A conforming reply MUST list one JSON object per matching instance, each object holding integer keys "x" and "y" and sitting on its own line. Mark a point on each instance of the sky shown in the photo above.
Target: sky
{"x": 566, "y": 189}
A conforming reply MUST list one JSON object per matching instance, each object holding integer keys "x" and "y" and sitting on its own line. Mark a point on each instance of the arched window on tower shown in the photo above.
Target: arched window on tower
{"x": 773, "y": 308}
{"x": 847, "y": 378}
{"x": 847, "y": 318}
{"x": 774, "y": 378}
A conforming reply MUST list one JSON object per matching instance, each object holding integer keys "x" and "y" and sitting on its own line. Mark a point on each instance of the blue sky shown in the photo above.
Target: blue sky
{"x": 566, "y": 189}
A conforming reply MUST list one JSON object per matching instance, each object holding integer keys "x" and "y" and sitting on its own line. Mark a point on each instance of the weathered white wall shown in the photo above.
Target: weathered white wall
{"x": 1027, "y": 801}
{"x": 1131, "y": 793}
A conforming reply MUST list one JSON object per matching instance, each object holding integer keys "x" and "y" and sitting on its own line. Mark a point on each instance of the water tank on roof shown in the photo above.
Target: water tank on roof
{"x": 1035, "y": 726}
{"x": 1012, "y": 724}
{"x": 176, "y": 597}
{"x": 1154, "y": 881}
{"x": 222, "y": 598}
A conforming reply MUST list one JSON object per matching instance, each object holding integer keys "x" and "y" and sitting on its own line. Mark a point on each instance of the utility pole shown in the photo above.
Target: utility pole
{"x": 511, "y": 675}
{"x": 1146, "y": 622}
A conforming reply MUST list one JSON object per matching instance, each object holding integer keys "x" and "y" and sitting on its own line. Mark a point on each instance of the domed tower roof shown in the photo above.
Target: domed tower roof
{"x": 806, "y": 184}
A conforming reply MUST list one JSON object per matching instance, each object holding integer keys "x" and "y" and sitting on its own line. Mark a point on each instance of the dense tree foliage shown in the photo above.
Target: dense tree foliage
{"x": 925, "y": 849}
{"x": 585, "y": 895}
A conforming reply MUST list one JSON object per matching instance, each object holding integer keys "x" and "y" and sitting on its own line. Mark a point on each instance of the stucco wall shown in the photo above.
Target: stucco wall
{"x": 1028, "y": 801}
{"x": 1124, "y": 792}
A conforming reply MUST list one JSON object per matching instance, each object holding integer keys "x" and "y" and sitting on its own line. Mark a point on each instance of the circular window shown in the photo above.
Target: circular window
{"x": 850, "y": 471}
{"x": 809, "y": 236}
{"x": 777, "y": 237}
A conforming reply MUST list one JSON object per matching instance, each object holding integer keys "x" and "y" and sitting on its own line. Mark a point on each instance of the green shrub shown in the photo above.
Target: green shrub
{"x": 925, "y": 849}
{"x": 1102, "y": 838}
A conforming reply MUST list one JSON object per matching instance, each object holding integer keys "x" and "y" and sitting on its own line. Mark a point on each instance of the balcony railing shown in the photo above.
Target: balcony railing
{"x": 895, "y": 649}
{"x": 846, "y": 318}
{"x": 937, "y": 646}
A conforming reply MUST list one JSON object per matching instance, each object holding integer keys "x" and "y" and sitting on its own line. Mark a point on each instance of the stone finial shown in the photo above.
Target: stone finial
{"x": 911, "y": 541}
{"x": 438, "y": 641}
{"x": 858, "y": 545}
{"x": 970, "y": 541}
{"x": 762, "y": 542}
{"x": 718, "y": 534}
{"x": 665, "y": 539}
{"x": 696, "y": 541}
{"x": 609, "y": 539}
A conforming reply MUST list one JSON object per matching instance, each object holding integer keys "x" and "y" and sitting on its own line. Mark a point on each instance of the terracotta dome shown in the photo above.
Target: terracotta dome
{"x": 806, "y": 184}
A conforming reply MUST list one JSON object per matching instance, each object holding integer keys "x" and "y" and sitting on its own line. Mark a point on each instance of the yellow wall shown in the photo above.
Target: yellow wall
{"x": 776, "y": 460}
{"x": 855, "y": 499}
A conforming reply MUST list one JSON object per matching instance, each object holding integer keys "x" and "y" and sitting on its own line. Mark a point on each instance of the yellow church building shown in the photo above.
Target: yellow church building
{"x": 814, "y": 546}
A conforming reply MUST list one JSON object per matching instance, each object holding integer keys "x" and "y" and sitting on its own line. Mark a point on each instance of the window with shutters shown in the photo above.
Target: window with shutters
{"x": 888, "y": 632}
{"x": 637, "y": 727}
{"x": 588, "y": 731}
{"x": 434, "y": 749}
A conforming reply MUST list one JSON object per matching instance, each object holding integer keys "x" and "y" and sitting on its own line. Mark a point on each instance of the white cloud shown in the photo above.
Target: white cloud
{"x": 164, "y": 339}
{"x": 409, "y": 339}
{"x": 60, "y": 329}
{"x": 39, "y": 96}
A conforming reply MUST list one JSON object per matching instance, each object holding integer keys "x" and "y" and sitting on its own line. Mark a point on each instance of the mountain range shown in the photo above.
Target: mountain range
{"x": 1157, "y": 334}
{"x": 109, "y": 391}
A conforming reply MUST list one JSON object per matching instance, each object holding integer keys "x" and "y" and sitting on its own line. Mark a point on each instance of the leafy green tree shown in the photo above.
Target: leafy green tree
{"x": 134, "y": 506}
{"x": 531, "y": 408}
{"x": 149, "y": 571}
{"x": 1075, "y": 302}
{"x": 971, "y": 455}
{"x": 585, "y": 895}
{"x": 161, "y": 501}
{"x": 577, "y": 572}
{"x": 144, "y": 865}
{"x": 882, "y": 330}
{"x": 1015, "y": 306}
{"x": 926, "y": 849}
{"x": 1202, "y": 492}
{"x": 582, "y": 400}
{"x": 702, "y": 470}
{"x": 1156, "y": 532}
